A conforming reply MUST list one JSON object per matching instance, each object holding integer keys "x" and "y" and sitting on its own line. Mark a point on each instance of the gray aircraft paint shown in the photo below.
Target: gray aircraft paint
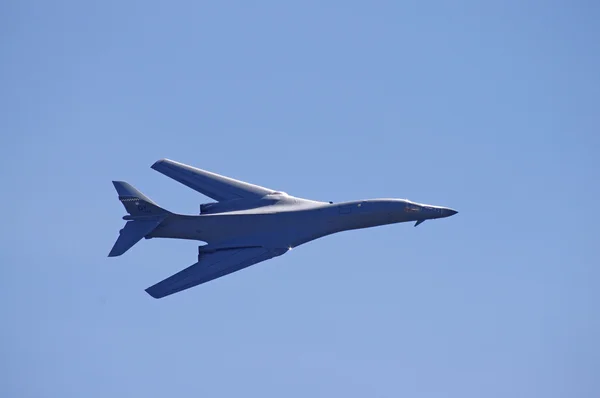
{"x": 248, "y": 223}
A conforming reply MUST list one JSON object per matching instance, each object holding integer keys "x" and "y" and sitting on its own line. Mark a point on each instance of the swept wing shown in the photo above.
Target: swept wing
{"x": 212, "y": 265}
{"x": 213, "y": 185}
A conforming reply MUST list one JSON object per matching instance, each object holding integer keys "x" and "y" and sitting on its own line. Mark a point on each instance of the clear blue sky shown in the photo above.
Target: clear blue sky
{"x": 487, "y": 107}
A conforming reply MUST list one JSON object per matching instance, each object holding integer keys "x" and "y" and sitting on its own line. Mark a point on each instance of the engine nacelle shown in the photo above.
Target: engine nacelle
{"x": 243, "y": 204}
{"x": 221, "y": 207}
{"x": 232, "y": 205}
{"x": 205, "y": 208}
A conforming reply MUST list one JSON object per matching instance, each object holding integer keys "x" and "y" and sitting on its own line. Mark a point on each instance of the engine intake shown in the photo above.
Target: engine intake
{"x": 208, "y": 208}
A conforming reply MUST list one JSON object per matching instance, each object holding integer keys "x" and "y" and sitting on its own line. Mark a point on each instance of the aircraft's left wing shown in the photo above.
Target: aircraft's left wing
{"x": 212, "y": 265}
{"x": 213, "y": 185}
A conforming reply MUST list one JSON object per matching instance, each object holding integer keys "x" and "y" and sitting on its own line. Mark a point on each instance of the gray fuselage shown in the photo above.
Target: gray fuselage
{"x": 283, "y": 221}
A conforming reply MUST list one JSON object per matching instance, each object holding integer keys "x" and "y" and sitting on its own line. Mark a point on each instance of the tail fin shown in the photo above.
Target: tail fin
{"x": 144, "y": 216}
{"x": 135, "y": 202}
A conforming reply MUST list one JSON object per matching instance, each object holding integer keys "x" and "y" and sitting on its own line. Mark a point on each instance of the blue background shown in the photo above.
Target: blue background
{"x": 487, "y": 107}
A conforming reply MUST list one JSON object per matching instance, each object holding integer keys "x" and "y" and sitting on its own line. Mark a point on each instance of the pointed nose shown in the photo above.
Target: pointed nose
{"x": 448, "y": 212}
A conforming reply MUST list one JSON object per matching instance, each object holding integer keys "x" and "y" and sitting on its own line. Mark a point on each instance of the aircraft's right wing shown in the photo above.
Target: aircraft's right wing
{"x": 212, "y": 265}
{"x": 213, "y": 185}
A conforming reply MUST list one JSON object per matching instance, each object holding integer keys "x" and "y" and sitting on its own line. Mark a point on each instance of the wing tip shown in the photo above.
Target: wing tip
{"x": 156, "y": 293}
{"x": 153, "y": 293}
{"x": 160, "y": 162}
{"x": 116, "y": 250}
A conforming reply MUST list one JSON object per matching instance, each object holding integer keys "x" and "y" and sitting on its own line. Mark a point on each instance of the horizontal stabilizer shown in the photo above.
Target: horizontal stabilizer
{"x": 132, "y": 233}
{"x": 211, "y": 266}
{"x": 146, "y": 216}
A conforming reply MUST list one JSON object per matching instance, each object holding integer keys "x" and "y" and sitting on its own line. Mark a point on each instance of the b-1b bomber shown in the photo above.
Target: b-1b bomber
{"x": 247, "y": 224}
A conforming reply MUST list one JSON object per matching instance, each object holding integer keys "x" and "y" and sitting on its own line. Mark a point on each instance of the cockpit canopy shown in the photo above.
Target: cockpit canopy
{"x": 412, "y": 208}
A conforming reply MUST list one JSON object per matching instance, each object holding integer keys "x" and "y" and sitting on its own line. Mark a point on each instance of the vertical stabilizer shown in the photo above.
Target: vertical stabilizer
{"x": 135, "y": 202}
{"x": 145, "y": 216}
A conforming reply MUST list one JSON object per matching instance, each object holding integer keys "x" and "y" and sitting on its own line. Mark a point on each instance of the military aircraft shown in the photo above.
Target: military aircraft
{"x": 247, "y": 223}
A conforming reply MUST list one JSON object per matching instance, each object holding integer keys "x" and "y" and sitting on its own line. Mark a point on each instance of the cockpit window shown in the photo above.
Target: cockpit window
{"x": 410, "y": 208}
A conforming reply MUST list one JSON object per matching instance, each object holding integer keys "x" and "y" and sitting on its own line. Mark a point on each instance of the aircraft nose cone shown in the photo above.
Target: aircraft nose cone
{"x": 448, "y": 212}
